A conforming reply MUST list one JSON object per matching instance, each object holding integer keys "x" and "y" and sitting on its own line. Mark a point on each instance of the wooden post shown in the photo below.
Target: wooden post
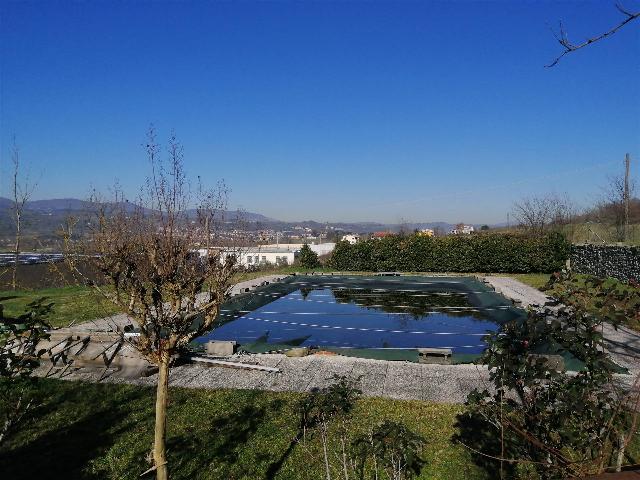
{"x": 626, "y": 195}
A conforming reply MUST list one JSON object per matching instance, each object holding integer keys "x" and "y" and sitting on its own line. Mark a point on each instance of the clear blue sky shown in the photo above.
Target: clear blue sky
{"x": 382, "y": 111}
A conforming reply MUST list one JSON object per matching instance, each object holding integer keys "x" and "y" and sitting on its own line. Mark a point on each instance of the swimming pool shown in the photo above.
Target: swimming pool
{"x": 366, "y": 313}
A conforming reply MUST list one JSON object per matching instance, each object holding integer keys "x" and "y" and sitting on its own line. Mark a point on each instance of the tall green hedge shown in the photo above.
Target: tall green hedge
{"x": 508, "y": 252}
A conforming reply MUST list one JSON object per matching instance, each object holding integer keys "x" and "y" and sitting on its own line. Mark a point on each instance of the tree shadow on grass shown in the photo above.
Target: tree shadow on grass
{"x": 226, "y": 438}
{"x": 301, "y": 410}
{"x": 477, "y": 434}
{"x": 66, "y": 450}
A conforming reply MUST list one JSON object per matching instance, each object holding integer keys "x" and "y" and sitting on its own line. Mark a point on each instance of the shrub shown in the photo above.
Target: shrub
{"x": 308, "y": 258}
{"x": 607, "y": 298}
{"x": 509, "y": 252}
{"x": 390, "y": 447}
{"x": 387, "y": 450}
{"x": 19, "y": 338}
{"x": 559, "y": 424}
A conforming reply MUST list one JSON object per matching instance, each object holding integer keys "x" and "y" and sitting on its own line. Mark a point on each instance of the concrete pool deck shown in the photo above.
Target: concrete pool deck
{"x": 378, "y": 378}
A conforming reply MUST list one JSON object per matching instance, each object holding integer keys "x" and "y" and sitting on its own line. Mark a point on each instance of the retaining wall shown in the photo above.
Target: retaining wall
{"x": 616, "y": 261}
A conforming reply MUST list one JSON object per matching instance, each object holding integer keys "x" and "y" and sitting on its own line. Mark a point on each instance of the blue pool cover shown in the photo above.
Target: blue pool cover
{"x": 360, "y": 312}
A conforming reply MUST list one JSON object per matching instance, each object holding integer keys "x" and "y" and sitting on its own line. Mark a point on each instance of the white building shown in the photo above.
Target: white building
{"x": 352, "y": 239}
{"x": 320, "y": 248}
{"x": 463, "y": 230}
{"x": 256, "y": 256}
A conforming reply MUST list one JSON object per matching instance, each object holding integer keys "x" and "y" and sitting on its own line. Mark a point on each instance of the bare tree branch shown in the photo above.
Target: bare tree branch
{"x": 539, "y": 213}
{"x": 22, "y": 190}
{"x": 569, "y": 47}
{"x": 156, "y": 256}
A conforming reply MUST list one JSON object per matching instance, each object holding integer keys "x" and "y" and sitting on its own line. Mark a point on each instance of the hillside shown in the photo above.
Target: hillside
{"x": 43, "y": 219}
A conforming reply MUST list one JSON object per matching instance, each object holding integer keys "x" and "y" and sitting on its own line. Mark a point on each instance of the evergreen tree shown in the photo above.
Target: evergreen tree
{"x": 308, "y": 258}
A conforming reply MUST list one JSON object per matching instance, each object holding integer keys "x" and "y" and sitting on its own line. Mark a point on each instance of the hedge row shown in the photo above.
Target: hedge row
{"x": 512, "y": 253}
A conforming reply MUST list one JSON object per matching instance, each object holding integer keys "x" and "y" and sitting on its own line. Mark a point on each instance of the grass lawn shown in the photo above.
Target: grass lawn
{"x": 243, "y": 276}
{"x": 535, "y": 280}
{"x": 70, "y": 303}
{"x": 84, "y": 430}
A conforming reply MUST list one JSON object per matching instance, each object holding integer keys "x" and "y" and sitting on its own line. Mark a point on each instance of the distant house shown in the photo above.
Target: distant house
{"x": 255, "y": 256}
{"x": 426, "y": 232}
{"x": 462, "y": 229}
{"x": 352, "y": 239}
{"x": 382, "y": 234}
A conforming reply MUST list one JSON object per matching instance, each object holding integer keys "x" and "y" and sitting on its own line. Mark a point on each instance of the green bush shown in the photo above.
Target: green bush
{"x": 557, "y": 424}
{"x": 507, "y": 252}
{"x": 308, "y": 258}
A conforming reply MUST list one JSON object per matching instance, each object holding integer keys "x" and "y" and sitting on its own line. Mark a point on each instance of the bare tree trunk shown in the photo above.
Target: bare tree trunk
{"x": 625, "y": 196}
{"x": 16, "y": 251}
{"x": 344, "y": 458}
{"x": 17, "y": 213}
{"x": 159, "y": 442}
{"x": 21, "y": 193}
{"x": 620, "y": 455}
{"x": 323, "y": 435}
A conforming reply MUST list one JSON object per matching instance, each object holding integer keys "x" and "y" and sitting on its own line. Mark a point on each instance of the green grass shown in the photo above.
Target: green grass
{"x": 77, "y": 304}
{"x": 243, "y": 276}
{"x": 535, "y": 280}
{"x": 104, "y": 431}
{"x": 598, "y": 233}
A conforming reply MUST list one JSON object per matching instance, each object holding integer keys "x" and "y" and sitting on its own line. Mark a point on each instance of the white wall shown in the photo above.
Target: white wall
{"x": 256, "y": 257}
{"x": 320, "y": 249}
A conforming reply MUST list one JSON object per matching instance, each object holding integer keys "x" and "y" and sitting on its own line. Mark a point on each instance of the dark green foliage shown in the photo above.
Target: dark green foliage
{"x": 609, "y": 299}
{"x": 562, "y": 425}
{"x": 308, "y": 258}
{"x": 391, "y": 447}
{"x": 19, "y": 338}
{"x": 337, "y": 399}
{"x": 513, "y": 253}
{"x": 388, "y": 450}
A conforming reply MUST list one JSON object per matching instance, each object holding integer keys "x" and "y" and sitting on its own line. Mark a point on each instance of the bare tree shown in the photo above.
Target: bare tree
{"x": 539, "y": 213}
{"x": 569, "y": 47}
{"x": 611, "y": 208}
{"x": 156, "y": 255}
{"x": 21, "y": 190}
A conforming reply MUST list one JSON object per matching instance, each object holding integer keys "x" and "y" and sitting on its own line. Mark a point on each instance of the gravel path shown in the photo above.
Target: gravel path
{"x": 517, "y": 291}
{"x": 378, "y": 378}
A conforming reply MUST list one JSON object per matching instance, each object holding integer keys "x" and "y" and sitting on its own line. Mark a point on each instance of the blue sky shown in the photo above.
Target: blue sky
{"x": 333, "y": 111}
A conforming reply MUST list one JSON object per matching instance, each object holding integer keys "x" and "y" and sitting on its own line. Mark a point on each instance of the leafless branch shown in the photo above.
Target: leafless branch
{"x": 22, "y": 189}
{"x": 156, "y": 257}
{"x": 537, "y": 214}
{"x": 561, "y": 35}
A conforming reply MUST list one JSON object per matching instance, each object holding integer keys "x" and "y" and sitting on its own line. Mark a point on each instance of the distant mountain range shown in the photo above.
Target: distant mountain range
{"x": 65, "y": 206}
{"x": 45, "y": 216}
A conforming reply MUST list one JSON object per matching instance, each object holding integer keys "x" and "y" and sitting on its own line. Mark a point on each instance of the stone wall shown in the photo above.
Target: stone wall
{"x": 615, "y": 261}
